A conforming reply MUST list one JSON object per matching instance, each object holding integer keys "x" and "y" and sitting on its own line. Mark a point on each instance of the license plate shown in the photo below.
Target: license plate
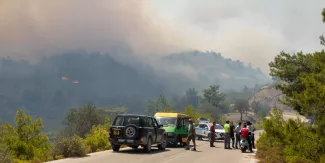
{"x": 184, "y": 140}
{"x": 116, "y": 132}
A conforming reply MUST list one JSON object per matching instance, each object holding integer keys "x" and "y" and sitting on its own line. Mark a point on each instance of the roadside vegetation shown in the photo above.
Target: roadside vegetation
{"x": 301, "y": 78}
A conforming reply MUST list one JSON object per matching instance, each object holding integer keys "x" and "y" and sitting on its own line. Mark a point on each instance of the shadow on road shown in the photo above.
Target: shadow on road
{"x": 140, "y": 151}
{"x": 206, "y": 140}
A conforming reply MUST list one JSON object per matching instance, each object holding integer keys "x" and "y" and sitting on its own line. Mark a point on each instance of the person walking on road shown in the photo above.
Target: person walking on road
{"x": 212, "y": 134}
{"x": 238, "y": 130}
{"x": 232, "y": 133}
{"x": 227, "y": 135}
{"x": 191, "y": 135}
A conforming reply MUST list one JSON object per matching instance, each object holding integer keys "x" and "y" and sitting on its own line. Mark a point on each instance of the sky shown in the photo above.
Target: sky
{"x": 252, "y": 31}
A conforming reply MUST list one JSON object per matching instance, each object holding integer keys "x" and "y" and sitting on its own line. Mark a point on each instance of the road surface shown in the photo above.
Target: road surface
{"x": 204, "y": 154}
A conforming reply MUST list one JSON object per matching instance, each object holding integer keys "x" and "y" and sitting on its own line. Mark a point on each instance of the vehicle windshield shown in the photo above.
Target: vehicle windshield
{"x": 218, "y": 126}
{"x": 167, "y": 121}
{"x": 126, "y": 120}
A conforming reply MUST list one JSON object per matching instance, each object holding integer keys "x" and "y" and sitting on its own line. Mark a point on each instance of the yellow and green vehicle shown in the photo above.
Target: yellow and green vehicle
{"x": 175, "y": 125}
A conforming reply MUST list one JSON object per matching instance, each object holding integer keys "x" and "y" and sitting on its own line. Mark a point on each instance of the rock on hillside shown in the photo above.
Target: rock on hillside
{"x": 270, "y": 96}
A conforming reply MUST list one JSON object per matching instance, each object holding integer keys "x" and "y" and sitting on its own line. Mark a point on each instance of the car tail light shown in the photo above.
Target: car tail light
{"x": 142, "y": 133}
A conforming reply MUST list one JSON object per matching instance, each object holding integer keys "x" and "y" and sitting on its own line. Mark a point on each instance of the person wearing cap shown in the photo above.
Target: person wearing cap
{"x": 227, "y": 135}
{"x": 191, "y": 135}
{"x": 212, "y": 134}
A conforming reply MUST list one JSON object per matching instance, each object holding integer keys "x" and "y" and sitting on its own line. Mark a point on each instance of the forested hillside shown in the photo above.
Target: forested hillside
{"x": 55, "y": 84}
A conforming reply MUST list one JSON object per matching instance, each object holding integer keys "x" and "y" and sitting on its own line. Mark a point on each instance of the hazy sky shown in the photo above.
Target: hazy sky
{"x": 251, "y": 30}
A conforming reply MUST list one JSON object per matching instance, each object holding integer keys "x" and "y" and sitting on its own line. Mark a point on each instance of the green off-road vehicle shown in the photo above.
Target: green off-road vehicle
{"x": 176, "y": 127}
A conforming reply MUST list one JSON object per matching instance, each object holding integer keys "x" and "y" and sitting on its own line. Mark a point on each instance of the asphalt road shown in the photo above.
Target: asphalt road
{"x": 204, "y": 154}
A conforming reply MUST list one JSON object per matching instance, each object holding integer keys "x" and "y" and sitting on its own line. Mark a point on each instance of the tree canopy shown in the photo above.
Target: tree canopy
{"x": 25, "y": 140}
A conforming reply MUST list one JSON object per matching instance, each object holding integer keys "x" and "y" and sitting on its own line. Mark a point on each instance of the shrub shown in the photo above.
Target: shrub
{"x": 26, "y": 140}
{"x": 298, "y": 159}
{"x": 69, "y": 147}
{"x": 194, "y": 114}
{"x": 97, "y": 139}
{"x": 290, "y": 141}
{"x": 269, "y": 150}
{"x": 5, "y": 156}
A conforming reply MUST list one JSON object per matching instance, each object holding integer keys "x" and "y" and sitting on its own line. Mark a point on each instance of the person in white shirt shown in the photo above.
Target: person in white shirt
{"x": 251, "y": 130}
{"x": 237, "y": 130}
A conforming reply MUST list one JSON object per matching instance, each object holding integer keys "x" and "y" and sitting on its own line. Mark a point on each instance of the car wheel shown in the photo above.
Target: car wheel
{"x": 131, "y": 131}
{"x": 175, "y": 143}
{"x": 243, "y": 150}
{"x": 147, "y": 147}
{"x": 115, "y": 148}
{"x": 163, "y": 144}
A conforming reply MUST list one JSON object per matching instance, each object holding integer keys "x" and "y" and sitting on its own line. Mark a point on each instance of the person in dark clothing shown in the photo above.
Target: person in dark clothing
{"x": 250, "y": 134}
{"x": 212, "y": 134}
{"x": 232, "y": 133}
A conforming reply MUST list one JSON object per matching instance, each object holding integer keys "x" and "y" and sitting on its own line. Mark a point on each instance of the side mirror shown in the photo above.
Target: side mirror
{"x": 160, "y": 125}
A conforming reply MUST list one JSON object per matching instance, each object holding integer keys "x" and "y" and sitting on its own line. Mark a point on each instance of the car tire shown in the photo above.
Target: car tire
{"x": 147, "y": 147}
{"x": 163, "y": 144}
{"x": 130, "y": 131}
{"x": 175, "y": 143}
{"x": 243, "y": 150}
{"x": 115, "y": 148}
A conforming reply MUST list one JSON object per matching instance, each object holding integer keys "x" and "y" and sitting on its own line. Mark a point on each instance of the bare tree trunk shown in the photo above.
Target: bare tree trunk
{"x": 241, "y": 116}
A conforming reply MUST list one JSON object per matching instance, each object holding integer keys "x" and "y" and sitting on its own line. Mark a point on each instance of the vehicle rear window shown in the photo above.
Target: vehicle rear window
{"x": 123, "y": 121}
{"x": 218, "y": 127}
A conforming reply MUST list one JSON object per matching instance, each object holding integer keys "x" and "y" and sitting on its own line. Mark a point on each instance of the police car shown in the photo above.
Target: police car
{"x": 202, "y": 130}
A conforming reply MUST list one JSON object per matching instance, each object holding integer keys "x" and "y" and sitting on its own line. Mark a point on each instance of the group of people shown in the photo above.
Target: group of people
{"x": 235, "y": 134}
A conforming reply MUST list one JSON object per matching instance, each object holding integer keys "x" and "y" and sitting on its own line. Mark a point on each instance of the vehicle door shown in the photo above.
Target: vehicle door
{"x": 199, "y": 130}
{"x": 185, "y": 126}
{"x": 148, "y": 126}
{"x": 205, "y": 130}
{"x": 153, "y": 129}
{"x": 158, "y": 130}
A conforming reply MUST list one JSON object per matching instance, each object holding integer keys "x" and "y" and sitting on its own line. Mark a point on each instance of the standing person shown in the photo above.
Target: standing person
{"x": 249, "y": 139}
{"x": 227, "y": 135}
{"x": 244, "y": 132}
{"x": 238, "y": 130}
{"x": 212, "y": 134}
{"x": 191, "y": 135}
{"x": 252, "y": 136}
{"x": 232, "y": 133}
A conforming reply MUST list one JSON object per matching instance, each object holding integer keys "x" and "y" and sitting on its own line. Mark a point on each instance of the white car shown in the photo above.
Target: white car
{"x": 203, "y": 131}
